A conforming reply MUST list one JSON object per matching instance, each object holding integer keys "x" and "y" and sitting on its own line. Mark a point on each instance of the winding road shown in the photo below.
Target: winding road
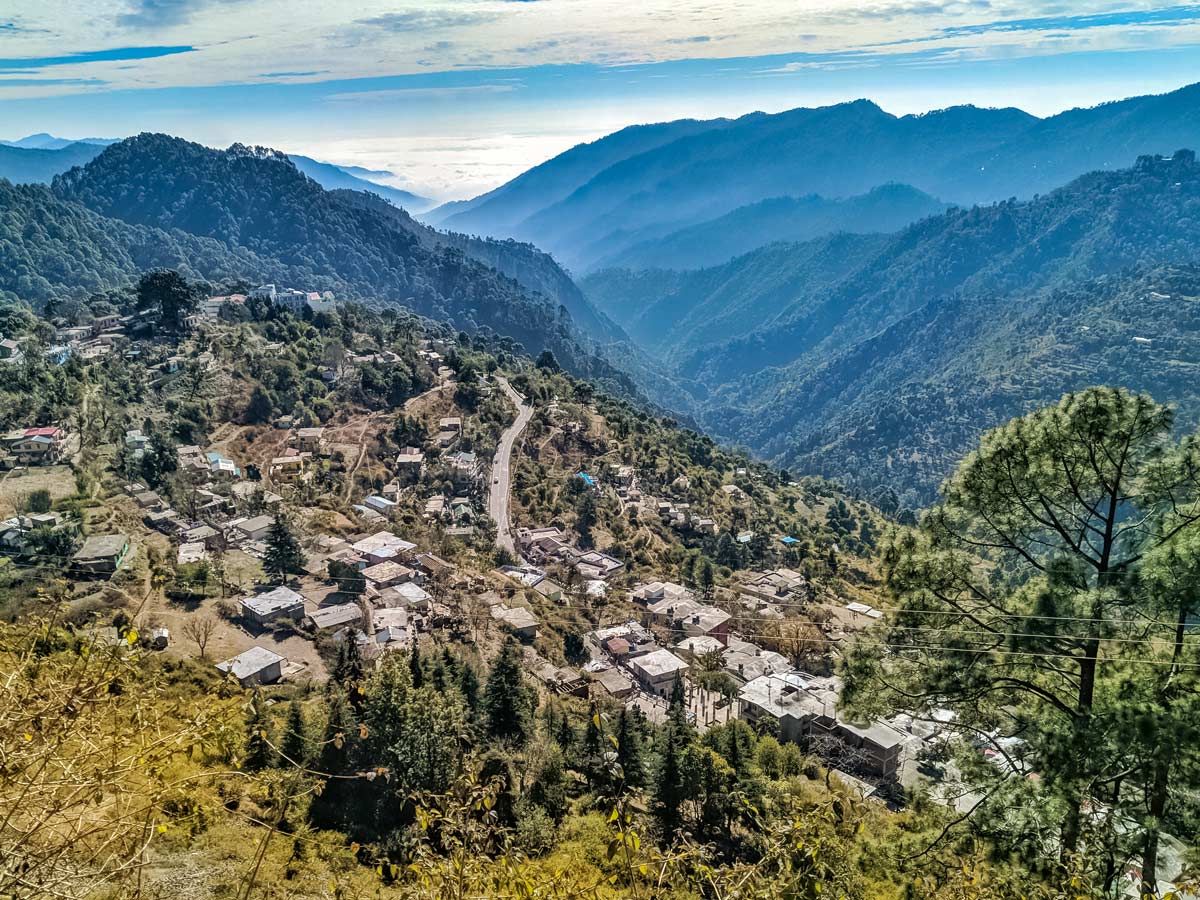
{"x": 498, "y": 490}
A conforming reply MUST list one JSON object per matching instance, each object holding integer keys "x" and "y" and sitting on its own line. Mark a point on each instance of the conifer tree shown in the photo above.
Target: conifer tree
{"x": 415, "y": 670}
{"x": 284, "y": 556}
{"x": 506, "y": 698}
{"x": 259, "y": 752}
{"x": 294, "y": 744}
{"x": 629, "y": 749}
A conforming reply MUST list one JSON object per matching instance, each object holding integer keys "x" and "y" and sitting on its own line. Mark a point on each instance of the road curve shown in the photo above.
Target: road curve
{"x": 501, "y": 484}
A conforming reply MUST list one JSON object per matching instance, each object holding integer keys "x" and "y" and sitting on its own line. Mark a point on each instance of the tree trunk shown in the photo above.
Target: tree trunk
{"x": 1158, "y": 806}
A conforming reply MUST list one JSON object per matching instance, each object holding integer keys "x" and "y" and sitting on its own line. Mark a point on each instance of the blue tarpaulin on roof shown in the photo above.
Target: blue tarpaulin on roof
{"x": 587, "y": 479}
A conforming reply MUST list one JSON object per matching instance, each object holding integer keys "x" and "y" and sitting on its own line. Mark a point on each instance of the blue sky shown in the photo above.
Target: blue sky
{"x": 456, "y": 96}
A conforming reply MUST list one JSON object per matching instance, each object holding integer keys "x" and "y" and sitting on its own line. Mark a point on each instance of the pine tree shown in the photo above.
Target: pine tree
{"x": 549, "y": 788}
{"x": 415, "y": 669}
{"x": 259, "y": 752}
{"x": 293, "y": 746}
{"x": 284, "y": 555}
{"x": 348, "y": 667}
{"x": 594, "y": 752}
{"x": 629, "y": 749}
{"x": 468, "y": 685}
{"x": 506, "y": 698}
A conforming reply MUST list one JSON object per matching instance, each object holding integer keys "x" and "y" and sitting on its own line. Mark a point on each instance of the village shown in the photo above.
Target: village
{"x": 378, "y": 569}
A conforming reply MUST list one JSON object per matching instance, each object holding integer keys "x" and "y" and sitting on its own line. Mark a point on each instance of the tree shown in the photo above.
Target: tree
{"x": 630, "y": 753}
{"x": 199, "y": 630}
{"x": 259, "y": 753}
{"x": 547, "y": 362}
{"x": 284, "y": 556}
{"x": 294, "y": 744}
{"x": 259, "y": 407}
{"x": 38, "y": 501}
{"x": 415, "y": 670}
{"x": 348, "y": 577}
{"x": 1065, "y": 503}
{"x": 348, "y": 667}
{"x": 506, "y": 697}
{"x": 170, "y": 294}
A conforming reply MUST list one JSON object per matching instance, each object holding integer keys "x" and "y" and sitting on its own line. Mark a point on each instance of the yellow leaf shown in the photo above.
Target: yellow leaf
{"x": 162, "y": 829}
{"x": 355, "y": 847}
{"x": 131, "y": 637}
{"x": 28, "y": 736}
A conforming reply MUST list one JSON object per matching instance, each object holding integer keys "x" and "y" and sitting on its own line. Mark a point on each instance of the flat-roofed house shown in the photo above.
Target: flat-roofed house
{"x": 657, "y": 671}
{"x": 310, "y": 440}
{"x": 101, "y": 554}
{"x": 258, "y": 665}
{"x": 382, "y": 546}
{"x": 388, "y": 573}
{"x": 331, "y": 618}
{"x": 273, "y": 606}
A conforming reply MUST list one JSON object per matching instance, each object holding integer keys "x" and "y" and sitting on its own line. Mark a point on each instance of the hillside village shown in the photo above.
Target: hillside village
{"x": 627, "y": 576}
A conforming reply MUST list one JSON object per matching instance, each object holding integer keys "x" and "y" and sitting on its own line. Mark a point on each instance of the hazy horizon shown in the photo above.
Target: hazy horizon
{"x": 459, "y": 96}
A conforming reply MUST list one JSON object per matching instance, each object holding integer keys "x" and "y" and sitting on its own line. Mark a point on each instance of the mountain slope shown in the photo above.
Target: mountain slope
{"x": 497, "y": 211}
{"x": 962, "y": 155}
{"x": 30, "y": 165}
{"x": 333, "y": 177}
{"x": 887, "y": 368}
{"x": 257, "y": 201}
{"x": 886, "y": 208}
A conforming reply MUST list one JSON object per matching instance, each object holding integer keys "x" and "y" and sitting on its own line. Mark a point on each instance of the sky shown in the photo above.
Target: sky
{"x": 454, "y": 97}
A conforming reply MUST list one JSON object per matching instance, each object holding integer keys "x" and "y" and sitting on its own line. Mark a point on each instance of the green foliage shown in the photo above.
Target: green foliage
{"x": 507, "y": 698}
{"x": 284, "y": 555}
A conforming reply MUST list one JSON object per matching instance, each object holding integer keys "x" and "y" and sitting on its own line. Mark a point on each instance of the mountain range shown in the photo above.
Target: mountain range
{"x": 879, "y": 358}
{"x": 39, "y": 157}
{"x": 680, "y": 174}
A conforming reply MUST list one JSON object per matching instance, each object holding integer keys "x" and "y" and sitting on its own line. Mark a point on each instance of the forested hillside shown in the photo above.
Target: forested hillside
{"x": 814, "y": 355}
{"x": 886, "y": 208}
{"x": 28, "y": 165}
{"x": 255, "y": 201}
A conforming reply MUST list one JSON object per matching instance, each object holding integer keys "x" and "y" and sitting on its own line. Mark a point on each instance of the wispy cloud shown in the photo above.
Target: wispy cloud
{"x": 427, "y": 20}
{"x": 163, "y": 13}
{"x": 419, "y": 93}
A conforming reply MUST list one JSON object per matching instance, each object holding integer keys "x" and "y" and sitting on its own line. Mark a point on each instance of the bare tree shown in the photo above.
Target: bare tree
{"x": 199, "y": 630}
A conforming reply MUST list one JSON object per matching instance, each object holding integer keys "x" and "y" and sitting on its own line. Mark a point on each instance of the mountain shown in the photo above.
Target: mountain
{"x": 29, "y": 165}
{"x": 333, "y": 177}
{"x": 44, "y": 141}
{"x": 962, "y": 155}
{"x": 886, "y": 208}
{"x": 500, "y": 210}
{"x": 251, "y": 214}
{"x": 39, "y": 157}
{"x": 804, "y": 351}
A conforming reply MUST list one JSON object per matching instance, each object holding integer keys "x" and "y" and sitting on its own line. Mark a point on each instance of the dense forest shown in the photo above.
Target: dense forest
{"x": 796, "y": 345}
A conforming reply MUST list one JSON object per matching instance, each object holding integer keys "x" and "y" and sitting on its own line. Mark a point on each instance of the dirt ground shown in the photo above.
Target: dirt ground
{"x": 18, "y": 484}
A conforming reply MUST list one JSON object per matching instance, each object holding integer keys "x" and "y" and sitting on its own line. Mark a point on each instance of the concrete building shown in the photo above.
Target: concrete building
{"x": 657, "y": 671}
{"x": 331, "y": 618}
{"x": 273, "y": 606}
{"x": 258, "y": 665}
{"x": 101, "y": 554}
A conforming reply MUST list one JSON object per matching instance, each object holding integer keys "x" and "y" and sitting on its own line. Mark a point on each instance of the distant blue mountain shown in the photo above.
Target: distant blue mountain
{"x": 333, "y": 178}
{"x": 675, "y": 175}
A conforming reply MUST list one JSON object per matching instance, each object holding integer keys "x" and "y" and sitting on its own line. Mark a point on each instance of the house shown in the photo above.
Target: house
{"x": 709, "y": 621}
{"x": 465, "y": 466}
{"x": 253, "y": 494}
{"x": 698, "y": 646}
{"x": 408, "y": 594}
{"x": 746, "y": 661}
{"x": 221, "y": 466}
{"x": 254, "y": 528}
{"x": 597, "y": 565}
{"x": 382, "y": 546}
{"x": 38, "y": 446}
{"x": 388, "y": 573}
{"x": 258, "y": 665}
{"x": 9, "y": 349}
{"x": 520, "y": 621}
{"x": 435, "y": 507}
{"x": 137, "y": 442}
{"x": 391, "y": 627}
{"x": 551, "y": 590}
{"x": 541, "y": 543}
{"x": 657, "y": 671}
{"x": 775, "y": 585}
{"x": 409, "y": 462}
{"x": 783, "y": 702}
{"x": 331, "y": 618}
{"x": 149, "y": 500}
{"x": 310, "y": 440}
{"x": 101, "y": 554}
{"x": 205, "y": 535}
{"x": 614, "y": 681}
{"x": 287, "y": 469}
{"x": 657, "y": 591}
{"x": 381, "y": 505}
{"x": 191, "y": 552}
{"x": 272, "y": 606}
{"x": 451, "y": 424}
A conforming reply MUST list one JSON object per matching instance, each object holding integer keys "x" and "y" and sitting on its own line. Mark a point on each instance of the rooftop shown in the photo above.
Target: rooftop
{"x": 658, "y": 664}
{"x": 272, "y": 601}
{"x": 250, "y": 662}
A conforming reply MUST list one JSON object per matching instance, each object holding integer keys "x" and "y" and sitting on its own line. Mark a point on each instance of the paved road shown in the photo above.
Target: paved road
{"x": 498, "y": 490}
